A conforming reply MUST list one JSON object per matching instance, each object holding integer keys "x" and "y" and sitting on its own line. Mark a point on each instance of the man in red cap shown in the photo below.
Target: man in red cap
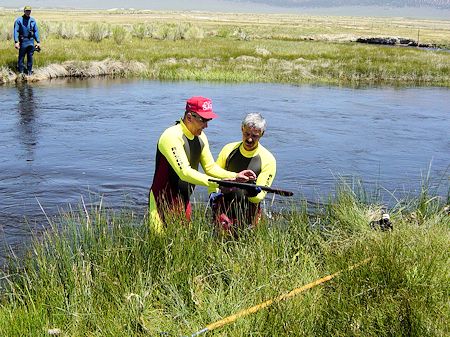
{"x": 181, "y": 148}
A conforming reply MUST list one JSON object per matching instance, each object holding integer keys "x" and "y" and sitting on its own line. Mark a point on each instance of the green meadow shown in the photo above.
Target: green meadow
{"x": 234, "y": 47}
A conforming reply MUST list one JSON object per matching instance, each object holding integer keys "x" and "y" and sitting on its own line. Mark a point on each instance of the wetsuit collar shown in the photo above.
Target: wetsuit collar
{"x": 186, "y": 131}
{"x": 246, "y": 153}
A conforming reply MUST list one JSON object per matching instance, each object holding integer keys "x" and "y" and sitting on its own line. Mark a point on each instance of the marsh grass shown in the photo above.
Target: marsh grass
{"x": 244, "y": 48}
{"x": 6, "y": 33}
{"x": 120, "y": 34}
{"x": 102, "y": 273}
{"x": 96, "y": 32}
{"x": 66, "y": 30}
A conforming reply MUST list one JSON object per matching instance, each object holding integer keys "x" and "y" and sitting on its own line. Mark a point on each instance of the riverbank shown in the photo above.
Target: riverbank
{"x": 240, "y": 48}
{"x": 76, "y": 69}
{"x": 103, "y": 273}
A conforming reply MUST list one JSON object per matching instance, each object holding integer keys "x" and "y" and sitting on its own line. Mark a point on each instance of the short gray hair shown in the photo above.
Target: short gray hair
{"x": 255, "y": 120}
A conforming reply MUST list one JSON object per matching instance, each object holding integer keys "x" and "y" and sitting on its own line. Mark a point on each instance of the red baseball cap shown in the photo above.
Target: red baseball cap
{"x": 201, "y": 106}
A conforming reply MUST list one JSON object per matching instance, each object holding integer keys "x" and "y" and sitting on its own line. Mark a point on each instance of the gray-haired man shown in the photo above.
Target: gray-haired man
{"x": 234, "y": 207}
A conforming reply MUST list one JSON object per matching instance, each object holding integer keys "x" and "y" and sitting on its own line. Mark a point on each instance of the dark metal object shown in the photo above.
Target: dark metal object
{"x": 251, "y": 187}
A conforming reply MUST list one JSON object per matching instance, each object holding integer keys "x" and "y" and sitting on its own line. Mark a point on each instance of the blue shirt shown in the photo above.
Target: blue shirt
{"x": 26, "y": 31}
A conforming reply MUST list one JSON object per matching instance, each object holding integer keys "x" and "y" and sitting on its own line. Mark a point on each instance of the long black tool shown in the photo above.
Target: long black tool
{"x": 248, "y": 186}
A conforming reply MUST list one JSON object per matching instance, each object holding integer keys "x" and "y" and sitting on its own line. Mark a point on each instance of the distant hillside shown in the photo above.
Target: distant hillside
{"x": 444, "y": 4}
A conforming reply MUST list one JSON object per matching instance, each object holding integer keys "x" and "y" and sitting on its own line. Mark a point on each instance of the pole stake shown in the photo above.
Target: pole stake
{"x": 292, "y": 293}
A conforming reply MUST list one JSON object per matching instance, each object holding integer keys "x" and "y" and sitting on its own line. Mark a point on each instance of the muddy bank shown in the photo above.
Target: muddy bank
{"x": 79, "y": 69}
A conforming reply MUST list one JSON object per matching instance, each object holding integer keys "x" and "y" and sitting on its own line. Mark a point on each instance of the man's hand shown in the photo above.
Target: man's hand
{"x": 17, "y": 45}
{"x": 245, "y": 176}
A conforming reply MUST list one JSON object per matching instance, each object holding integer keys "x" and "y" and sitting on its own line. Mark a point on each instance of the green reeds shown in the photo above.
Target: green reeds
{"x": 102, "y": 273}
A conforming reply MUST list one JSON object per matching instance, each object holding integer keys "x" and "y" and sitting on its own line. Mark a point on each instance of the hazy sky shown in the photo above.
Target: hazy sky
{"x": 226, "y": 6}
{"x": 210, "y": 5}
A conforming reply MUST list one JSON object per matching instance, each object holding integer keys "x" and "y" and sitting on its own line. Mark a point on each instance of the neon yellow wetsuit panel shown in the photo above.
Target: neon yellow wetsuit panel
{"x": 178, "y": 155}
{"x": 234, "y": 157}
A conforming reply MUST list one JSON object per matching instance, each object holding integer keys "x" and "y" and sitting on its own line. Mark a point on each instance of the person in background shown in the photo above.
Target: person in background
{"x": 235, "y": 208}
{"x": 25, "y": 33}
{"x": 181, "y": 149}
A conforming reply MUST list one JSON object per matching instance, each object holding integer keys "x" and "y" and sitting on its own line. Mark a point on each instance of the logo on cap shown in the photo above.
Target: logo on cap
{"x": 207, "y": 105}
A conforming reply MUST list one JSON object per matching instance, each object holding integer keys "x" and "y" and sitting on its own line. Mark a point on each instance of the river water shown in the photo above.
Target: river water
{"x": 64, "y": 140}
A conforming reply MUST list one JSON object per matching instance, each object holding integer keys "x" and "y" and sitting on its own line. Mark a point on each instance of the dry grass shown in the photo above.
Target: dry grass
{"x": 276, "y": 26}
{"x": 76, "y": 69}
{"x": 7, "y": 75}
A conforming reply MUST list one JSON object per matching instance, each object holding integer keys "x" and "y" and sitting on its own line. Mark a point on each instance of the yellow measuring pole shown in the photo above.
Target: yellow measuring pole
{"x": 292, "y": 293}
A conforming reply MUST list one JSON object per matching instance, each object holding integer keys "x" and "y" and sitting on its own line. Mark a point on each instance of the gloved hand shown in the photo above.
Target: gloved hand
{"x": 213, "y": 197}
{"x": 253, "y": 192}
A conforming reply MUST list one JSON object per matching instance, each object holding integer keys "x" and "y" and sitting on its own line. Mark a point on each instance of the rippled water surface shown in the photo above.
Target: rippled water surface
{"x": 60, "y": 141}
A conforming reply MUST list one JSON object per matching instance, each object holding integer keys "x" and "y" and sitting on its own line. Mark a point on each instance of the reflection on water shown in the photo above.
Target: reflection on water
{"x": 63, "y": 140}
{"x": 28, "y": 126}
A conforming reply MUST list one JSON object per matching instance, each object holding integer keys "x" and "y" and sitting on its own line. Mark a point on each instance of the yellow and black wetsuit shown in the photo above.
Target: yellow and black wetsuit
{"x": 234, "y": 157}
{"x": 178, "y": 155}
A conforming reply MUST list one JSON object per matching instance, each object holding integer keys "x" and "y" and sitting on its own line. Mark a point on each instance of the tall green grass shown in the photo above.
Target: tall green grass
{"x": 232, "y": 60}
{"x": 103, "y": 273}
